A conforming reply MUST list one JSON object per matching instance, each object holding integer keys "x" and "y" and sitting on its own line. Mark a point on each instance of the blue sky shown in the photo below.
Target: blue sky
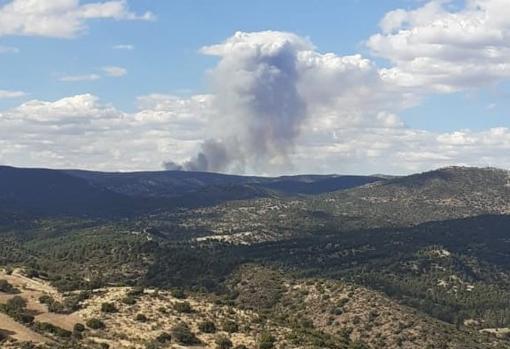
{"x": 165, "y": 59}
{"x": 166, "y": 56}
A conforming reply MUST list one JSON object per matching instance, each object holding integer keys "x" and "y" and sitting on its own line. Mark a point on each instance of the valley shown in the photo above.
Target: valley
{"x": 420, "y": 261}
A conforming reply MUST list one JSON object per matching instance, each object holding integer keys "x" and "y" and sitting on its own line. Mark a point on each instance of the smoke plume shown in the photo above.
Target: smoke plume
{"x": 259, "y": 110}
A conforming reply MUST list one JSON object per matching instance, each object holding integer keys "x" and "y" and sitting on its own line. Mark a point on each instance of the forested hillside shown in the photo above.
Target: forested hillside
{"x": 413, "y": 262}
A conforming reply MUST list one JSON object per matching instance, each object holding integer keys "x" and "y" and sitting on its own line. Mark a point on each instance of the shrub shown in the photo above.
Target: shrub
{"x": 46, "y": 299}
{"x": 16, "y": 303}
{"x": 207, "y": 326}
{"x": 6, "y": 287}
{"x": 141, "y": 318}
{"x": 230, "y": 326}
{"x": 72, "y": 303}
{"x": 240, "y": 346}
{"x": 108, "y": 308}
{"x": 183, "y": 307}
{"x": 56, "y": 307}
{"x": 178, "y": 293}
{"x": 129, "y": 300}
{"x": 164, "y": 338}
{"x": 50, "y": 328}
{"x": 183, "y": 335}
{"x": 16, "y": 309}
{"x": 78, "y": 327}
{"x": 223, "y": 342}
{"x": 25, "y": 318}
{"x": 266, "y": 341}
{"x": 95, "y": 324}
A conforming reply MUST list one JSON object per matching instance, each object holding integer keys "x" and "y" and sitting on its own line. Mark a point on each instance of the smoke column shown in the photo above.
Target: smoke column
{"x": 259, "y": 109}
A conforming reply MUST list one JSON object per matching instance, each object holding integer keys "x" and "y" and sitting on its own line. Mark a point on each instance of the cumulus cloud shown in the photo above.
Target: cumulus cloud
{"x": 60, "y": 18}
{"x": 114, "y": 71}
{"x": 446, "y": 50}
{"x": 269, "y": 87}
{"x": 83, "y": 132}
{"x": 279, "y": 105}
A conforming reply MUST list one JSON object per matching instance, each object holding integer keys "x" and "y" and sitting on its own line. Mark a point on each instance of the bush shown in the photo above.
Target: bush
{"x": 183, "y": 307}
{"x": 108, "y": 308}
{"x": 78, "y": 327}
{"x": 16, "y": 303}
{"x": 6, "y": 287}
{"x": 164, "y": 338}
{"x": 207, "y": 327}
{"x": 50, "y": 328}
{"x": 46, "y": 299}
{"x": 72, "y": 303}
{"x": 56, "y": 307}
{"x": 95, "y": 324}
{"x": 223, "y": 342}
{"x": 16, "y": 309}
{"x": 241, "y": 346}
{"x": 183, "y": 335}
{"x": 266, "y": 341}
{"x": 230, "y": 326}
{"x": 25, "y": 318}
{"x": 141, "y": 318}
{"x": 178, "y": 293}
{"x": 129, "y": 300}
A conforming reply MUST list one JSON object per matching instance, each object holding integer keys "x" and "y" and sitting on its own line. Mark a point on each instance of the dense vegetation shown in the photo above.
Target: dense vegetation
{"x": 436, "y": 242}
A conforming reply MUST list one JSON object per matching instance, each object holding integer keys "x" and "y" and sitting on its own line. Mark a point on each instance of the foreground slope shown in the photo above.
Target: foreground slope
{"x": 265, "y": 304}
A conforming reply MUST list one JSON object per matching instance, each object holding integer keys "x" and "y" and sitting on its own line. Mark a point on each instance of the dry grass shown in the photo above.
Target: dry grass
{"x": 31, "y": 290}
{"x": 124, "y": 331}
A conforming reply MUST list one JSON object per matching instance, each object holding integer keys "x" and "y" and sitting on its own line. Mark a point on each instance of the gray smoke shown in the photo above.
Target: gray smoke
{"x": 259, "y": 111}
{"x": 213, "y": 157}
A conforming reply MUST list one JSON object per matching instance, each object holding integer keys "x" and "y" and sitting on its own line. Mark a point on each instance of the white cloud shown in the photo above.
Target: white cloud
{"x": 4, "y": 94}
{"x": 446, "y": 50}
{"x": 83, "y": 132}
{"x": 115, "y": 72}
{"x": 8, "y": 49}
{"x": 60, "y": 18}
{"x": 128, "y": 47}
{"x": 272, "y": 87}
{"x": 341, "y": 114}
{"x": 75, "y": 78}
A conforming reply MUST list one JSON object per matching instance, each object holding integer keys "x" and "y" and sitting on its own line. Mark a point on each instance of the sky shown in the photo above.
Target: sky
{"x": 258, "y": 87}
